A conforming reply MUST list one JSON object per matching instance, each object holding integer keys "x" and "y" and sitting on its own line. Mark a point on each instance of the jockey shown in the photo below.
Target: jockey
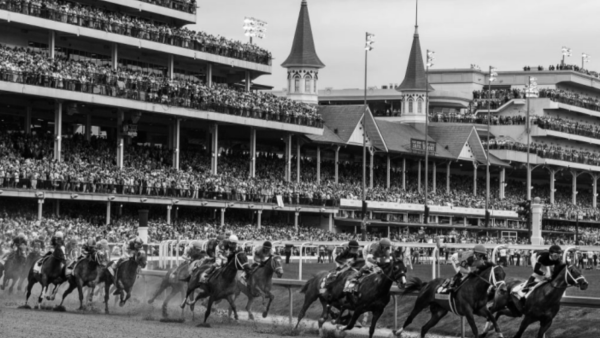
{"x": 380, "y": 255}
{"x": 133, "y": 246}
{"x": 540, "y": 260}
{"x": 19, "y": 240}
{"x": 194, "y": 255}
{"x": 261, "y": 253}
{"x": 37, "y": 244}
{"x": 468, "y": 262}
{"x": 58, "y": 249}
{"x": 222, "y": 252}
{"x": 348, "y": 256}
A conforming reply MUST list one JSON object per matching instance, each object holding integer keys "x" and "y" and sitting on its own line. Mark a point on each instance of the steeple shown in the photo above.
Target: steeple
{"x": 414, "y": 86}
{"x": 303, "y": 49}
{"x": 303, "y": 64}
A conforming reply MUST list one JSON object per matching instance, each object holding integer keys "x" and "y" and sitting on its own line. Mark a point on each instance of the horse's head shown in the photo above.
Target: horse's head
{"x": 141, "y": 259}
{"x": 493, "y": 274}
{"x": 241, "y": 262}
{"x": 399, "y": 272}
{"x": 277, "y": 265}
{"x": 573, "y": 277}
{"x": 101, "y": 258}
{"x": 501, "y": 297}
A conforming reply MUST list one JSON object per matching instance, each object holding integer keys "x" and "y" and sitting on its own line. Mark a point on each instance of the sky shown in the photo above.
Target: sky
{"x": 506, "y": 34}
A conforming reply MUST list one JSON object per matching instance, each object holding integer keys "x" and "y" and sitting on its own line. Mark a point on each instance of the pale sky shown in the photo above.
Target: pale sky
{"x": 507, "y": 34}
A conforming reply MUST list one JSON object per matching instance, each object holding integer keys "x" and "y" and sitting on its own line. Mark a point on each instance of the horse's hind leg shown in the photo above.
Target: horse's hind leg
{"x": 471, "y": 320}
{"x": 167, "y": 300}
{"x": 420, "y": 305}
{"x": 72, "y": 287}
{"x": 232, "y": 306}
{"x": 545, "y": 324}
{"x": 271, "y": 297}
{"x": 106, "y": 295}
{"x": 524, "y": 324}
{"x": 249, "y": 307}
{"x": 208, "y": 309}
{"x": 437, "y": 313}
{"x": 163, "y": 286}
{"x": 308, "y": 300}
{"x": 30, "y": 283}
{"x": 486, "y": 313}
{"x": 79, "y": 284}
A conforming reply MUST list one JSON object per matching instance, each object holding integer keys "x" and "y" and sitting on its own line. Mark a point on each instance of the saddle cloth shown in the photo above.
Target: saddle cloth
{"x": 517, "y": 291}
{"x": 111, "y": 267}
{"x": 326, "y": 280}
{"x": 37, "y": 267}
{"x": 443, "y": 292}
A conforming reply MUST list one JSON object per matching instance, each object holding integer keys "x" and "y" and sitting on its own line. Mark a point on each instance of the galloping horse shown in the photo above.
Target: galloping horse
{"x": 15, "y": 269}
{"x": 126, "y": 275}
{"x": 221, "y": 285}
{"x": 85, "y": 273}
{"x": 335, "y": 290}
{"x": 51, "y": 273}
{"x": 469, "y": 299}
{"x": 542, "y": 304}
{"x": 374, "y": 294}
{"x": 261, "y": 281}
{"x": 174, "y": 279}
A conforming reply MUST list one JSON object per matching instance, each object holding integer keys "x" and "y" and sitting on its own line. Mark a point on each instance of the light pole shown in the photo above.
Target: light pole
{"x": 254, "y": 28}
{"x": 492, "y": 77}
{"x": 566, "y": 51}
{"x": 369, "y": 41}
{"x": 430, "y": 58}
{"x": 585, "y": 58}
{"x": 530, "y": 91}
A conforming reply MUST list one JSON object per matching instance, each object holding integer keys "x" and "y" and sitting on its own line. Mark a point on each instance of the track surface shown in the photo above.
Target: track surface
{"x": 138, "y": 319}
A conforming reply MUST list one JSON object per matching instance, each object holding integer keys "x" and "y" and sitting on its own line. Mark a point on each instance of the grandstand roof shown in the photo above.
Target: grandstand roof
{"x": 458, "y": 140}
{"x": 398, "y": 136}
{"x": 303, "y": 52}
{"x": 414, "y": 78}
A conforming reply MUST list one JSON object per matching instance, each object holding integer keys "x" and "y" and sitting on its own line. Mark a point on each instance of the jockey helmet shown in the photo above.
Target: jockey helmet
{"x": 220, "y": 238}
{"x": 102, "y": 245}
{"x": 353, "y": 244}
{"x": 116, "y": 251}
{"x": 197, "y": 245}
{"x": 480, "y": 249}
{"x": 267, "y": 244}
{"x": 21, "y": 235}
{"x": 555, "y": 249}
{"x": 59, "y": 234}
{"x": 91, "y": 242}
{"x": 385, "y": 243}
{"x": 139, "y": 240}
{"x": 233, "y": 239}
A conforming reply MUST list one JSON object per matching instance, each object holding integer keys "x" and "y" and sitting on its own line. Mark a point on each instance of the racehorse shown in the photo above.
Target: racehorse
{"x": 221, "y": 285}
{"x": 470, "y": 298}
{"x": 51, "y": 272}
{"x": 126, "y": 276}
{"x": 85, "y": 273}
{"x": 15, "y": 269}
{"x": 262, "y": 281}
{"x": 335, "y": 290}
{"x": 542, "y": 304}
{"x": 174, "y": 279}
{"x": 374, "y": 294}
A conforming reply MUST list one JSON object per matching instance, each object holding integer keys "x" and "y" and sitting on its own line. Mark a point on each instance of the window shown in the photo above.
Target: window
{"x": 410, "y": 104}
{"x": 297, "y": 84}
{"x": 307, "y": 82}
{"x": 420, "y": 105}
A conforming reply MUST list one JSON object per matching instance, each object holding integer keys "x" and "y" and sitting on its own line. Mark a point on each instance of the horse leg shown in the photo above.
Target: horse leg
{"x": 128, "y": 292}
{"x": 42, "y": 293}
{"x": 420, "y": 305}
{"x": 485, "y": 312}
{"x": 163, "y": 286}
{"x": 249, "y": 306}
{"x": 353, "y": 320}
{"x": 79, "y": 284}
{"x": 325, "y": 313}
{"x": 20, "y": 286}
{"x": 54, "y": 292}
{"x": 471, "y": 320}
{"x": 12, "y": 285}
{"x": 376, "y": 315}
{"x": 308, "y": 300}
{"x": 545, "y": 324}
{"x": 232, "y": 306}
{"x": 437, "y": 313}
{"x": 524, "y": 324}
{"x": 91, "y": 295}
{"x": 30, "y": 283}
{"x": 271, "y": 297}
{"x": 106, "y": 295}
{"x": 165, "y": 311}
{"x": 208, "y": 309}
{"x": 67, "y": 292}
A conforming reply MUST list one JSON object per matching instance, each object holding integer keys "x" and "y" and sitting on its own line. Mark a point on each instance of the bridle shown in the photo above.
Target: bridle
{"x": 393, "y": 263}
{"x": 273, "y": 259}
{"x": 492, "y": 280}
{"x": 238, "y": 263}
{"x": 568, "y": 275}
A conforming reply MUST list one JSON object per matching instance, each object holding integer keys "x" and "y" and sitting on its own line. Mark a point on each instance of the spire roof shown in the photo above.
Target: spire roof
{"x": 303, "y": 49}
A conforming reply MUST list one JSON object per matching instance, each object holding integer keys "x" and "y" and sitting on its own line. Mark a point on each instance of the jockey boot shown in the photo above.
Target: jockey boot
{"x": 207, "y": 274}
{"x": 528, "y": 285}
{"x": 454, "y": 282}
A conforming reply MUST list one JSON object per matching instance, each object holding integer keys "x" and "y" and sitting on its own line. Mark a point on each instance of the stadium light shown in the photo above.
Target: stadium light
{"x": 493, "y": 73}
{"x": 566, "y": 51}
{"x": 254, "y": 28}
{"x": 430, "y": 58}
{"x": 369, "y": 41}
{"x": 585, "y": 58}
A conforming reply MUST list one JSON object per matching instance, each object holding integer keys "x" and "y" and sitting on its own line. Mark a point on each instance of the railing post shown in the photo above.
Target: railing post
{"x": 462, "y": 327}
{"x": 395, "y": 313}
{"x": 291, "y": 302}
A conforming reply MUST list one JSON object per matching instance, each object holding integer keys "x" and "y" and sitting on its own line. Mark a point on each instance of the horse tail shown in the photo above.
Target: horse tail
{"x": 415, "y": 284}
{"x": 304, "y": 287}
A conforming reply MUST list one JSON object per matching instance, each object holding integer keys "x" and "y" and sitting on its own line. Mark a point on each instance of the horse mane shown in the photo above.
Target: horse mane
{"x": 558, "y": 269}
{"x": 484, "y": 266}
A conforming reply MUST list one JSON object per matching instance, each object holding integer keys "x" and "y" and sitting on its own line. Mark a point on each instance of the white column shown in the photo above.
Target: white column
{"x": 528, "y": 184}
{"x": 448, "y": 177}
{"x": 298, "y": 159}
{"x": 594, "y": 190}
{"x": 537, "y": 210}
{"x": 330, "y": 222}
{"x": 404, "y": 173}
{"x": 222, "y": 216}
{"x": 574, "y": 187}
{"x": 433, "y": 175}
{"x": 57, "y": 208}
{"x": 337, "y": 161}
{"x": 372, "y": 161}
{"x": 419, "y": 176}
{"x": 252, "y": 152}
{"x": 169, "y": 207}
{"x": 51, "y": 43}
{"x": 28, "y": 120}
{"x": 120, "y": 138}
{"x": 215, "y": 148}
{"x": 389, "y": 168}
{"x": 296, "y": 215}
{"x": 114, "y": 55}
{"x": 552, "y": 184}
{"x": 288, "y": 157}
{"x": 170, "y": 66}
{"x": 209, "y": 74}
{"x": 318, "y": 164}
{"x": 248, "y": 81}
{"x": 475, "y": 178}
{"x": 258, "y": 219}
{"x": 40, "y": 205}
{"x": 57, "y": 129}
{"x": 108, "y": 213}
{"x": 88, "y": 127}
{"x": 176, "y": 143}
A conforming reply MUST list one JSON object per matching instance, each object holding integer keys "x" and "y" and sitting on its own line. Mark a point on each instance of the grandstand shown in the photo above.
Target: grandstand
{"x": 112, "y": 105}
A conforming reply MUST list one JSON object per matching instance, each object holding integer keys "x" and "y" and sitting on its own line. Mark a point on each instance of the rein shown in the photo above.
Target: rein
{"x": 492, "y": 281}
{"x": 568, "y": 275}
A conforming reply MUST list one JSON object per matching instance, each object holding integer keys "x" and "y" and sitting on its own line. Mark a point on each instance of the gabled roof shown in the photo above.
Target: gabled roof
{"x": 329, "y": 136}
{"x": 344, "y": 120}
{"x": 398, "y": 135}
{"x": 303, "y": 49}
{"x": 414, "y": 79}
{"x": 456, "y": 136}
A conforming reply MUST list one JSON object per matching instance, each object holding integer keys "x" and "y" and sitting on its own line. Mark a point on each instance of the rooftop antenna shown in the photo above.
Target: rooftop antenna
{"x": 417, "y": 17}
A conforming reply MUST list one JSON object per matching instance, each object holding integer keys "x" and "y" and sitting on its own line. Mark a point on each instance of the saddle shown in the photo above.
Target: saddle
{"x": 517, "y": 291}
{"x": 443, "y": 289}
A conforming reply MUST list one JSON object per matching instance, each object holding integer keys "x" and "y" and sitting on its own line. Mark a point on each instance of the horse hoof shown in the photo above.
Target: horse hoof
{"x": 265, "y": 315}
{"x": 27, "y": 307}
{"x": 207, "y": 325}
{"x": 59, "y": 308}
{"x": 339, "y": 334}
{"x": 121, "y": 304}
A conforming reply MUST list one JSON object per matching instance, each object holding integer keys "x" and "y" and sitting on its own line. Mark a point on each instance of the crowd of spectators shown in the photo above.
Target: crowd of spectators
{"x": 94, "y": 17}
{"x": 548, "y": 151}
{"x": 188, "y": 6}
{"x": 29, "y": 66}
{"x": 562, "y": 66}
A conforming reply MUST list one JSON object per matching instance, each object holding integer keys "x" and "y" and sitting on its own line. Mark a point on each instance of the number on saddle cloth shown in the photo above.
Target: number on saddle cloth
{"x": 517, "y": 291}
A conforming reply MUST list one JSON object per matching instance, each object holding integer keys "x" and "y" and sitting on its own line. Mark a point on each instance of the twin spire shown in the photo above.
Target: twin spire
{"x": 303, "y": 52}
{"x": 414, "y": 78}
